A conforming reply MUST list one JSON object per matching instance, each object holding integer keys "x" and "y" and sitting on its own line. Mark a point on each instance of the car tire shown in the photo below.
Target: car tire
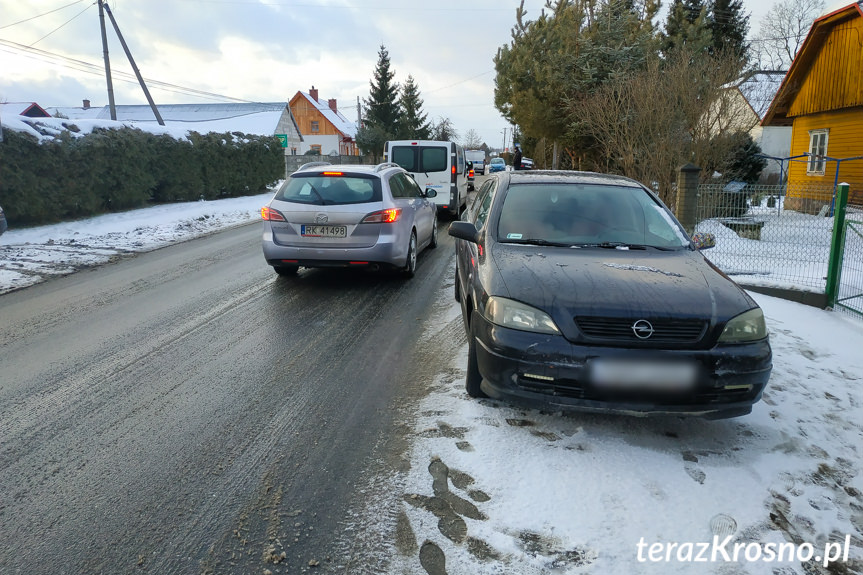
{"x": 433, "y": 243}
{"x": 473, "y": 379}
{"x": 286, "y": 270}
{"x": 410, "y": 268}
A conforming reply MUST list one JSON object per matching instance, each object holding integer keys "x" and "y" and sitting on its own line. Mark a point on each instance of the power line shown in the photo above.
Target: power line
{"x": 61, "y": 25}
{"x": 40, "y": 15}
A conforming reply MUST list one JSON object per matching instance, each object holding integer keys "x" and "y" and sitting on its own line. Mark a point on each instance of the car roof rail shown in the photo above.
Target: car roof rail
{"x": 314, "y": 165}
{"x": 386, "y": 165}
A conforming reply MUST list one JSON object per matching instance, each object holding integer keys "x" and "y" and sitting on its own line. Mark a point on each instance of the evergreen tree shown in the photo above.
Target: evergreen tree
{"x": 687, "y": 25}
{"x": 382, "y": 109}
{"x": 413, "y": 122}
{"x": 729, "y": 27}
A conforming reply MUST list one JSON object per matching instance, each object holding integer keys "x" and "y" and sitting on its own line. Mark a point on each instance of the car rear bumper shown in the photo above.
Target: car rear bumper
{"x": 387, "y": 251}
{"x": 549, "y": 371}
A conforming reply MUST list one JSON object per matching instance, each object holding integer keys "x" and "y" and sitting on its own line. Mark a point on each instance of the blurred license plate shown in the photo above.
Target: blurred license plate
{"x": 642, "y": 375}
{"x": 324, "y": 231}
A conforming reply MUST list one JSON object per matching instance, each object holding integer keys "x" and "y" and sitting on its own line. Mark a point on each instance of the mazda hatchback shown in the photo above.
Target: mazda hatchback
{"x": 349, "y": 216}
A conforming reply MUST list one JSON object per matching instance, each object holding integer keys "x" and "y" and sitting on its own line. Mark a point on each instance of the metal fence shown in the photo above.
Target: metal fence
{"x": 293, "y": 163}
{"x": 850, "y": 293}
{"x": 776, "y": 236}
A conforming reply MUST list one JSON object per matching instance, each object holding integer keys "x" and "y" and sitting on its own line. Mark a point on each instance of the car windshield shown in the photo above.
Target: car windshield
{"x": 497, "y": 161}
{"x": 328, "y": 190}
{"x": 587, "y": 215}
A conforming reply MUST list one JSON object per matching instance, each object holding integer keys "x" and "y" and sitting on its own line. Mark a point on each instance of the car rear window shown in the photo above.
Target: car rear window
{"x": 330, "y": 190}
{"x": 575, "y": 214}
{"x": 421, "y": 158}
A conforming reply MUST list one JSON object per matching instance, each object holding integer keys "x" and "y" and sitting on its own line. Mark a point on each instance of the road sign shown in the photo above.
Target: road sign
{"x": 283, "y": 139}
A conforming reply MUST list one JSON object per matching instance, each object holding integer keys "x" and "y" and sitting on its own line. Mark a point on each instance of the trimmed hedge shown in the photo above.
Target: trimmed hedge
{"x": 111, "y": 170}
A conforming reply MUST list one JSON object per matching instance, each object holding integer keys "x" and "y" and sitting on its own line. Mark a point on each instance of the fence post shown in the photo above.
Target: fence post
{"x": 687, "y": 196}
{"x": 834, "y": 263}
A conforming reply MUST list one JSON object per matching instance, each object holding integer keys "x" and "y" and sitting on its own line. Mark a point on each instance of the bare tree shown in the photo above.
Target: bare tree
{"x": 648, "y": 124}
{"x": 782, "y": 32}
{"x": 472, "y": 140}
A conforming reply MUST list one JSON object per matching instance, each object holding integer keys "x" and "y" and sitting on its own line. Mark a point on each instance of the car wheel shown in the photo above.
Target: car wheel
{"x": 286, "y": 270}
{"x": 457, "y": 287}
{"x": 411, "y": 265}
{"x": 473, "y": 378}
{"x": 433, "y": 243}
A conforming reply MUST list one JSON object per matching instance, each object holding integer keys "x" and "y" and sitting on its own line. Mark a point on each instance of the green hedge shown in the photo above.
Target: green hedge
{"x": 110, "y": 170}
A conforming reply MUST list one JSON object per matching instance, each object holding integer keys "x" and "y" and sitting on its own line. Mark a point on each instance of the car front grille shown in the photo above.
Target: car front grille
{"x": 620, "y": 330}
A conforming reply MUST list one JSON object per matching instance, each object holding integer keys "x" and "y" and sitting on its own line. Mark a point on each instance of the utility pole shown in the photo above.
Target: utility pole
{"x": 111, "y": 105}
{"x": 134, "y": 67}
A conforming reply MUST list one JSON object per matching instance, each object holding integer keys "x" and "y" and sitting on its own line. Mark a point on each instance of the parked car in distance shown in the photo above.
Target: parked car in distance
{"x": 582, "y": 291}
{"x": 327, "y": 215}
{"x": 526, "y": 164}
{"x": 3, "y": 224}
{"x": 496, "y": 165}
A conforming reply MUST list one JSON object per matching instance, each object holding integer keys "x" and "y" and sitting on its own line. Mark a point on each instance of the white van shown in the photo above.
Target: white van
{"x": 434, "y": 164}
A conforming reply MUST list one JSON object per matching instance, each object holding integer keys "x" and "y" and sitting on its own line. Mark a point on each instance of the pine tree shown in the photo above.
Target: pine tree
{"x": 382, "y": 109}
{"x": 687, "y": 25}
{"x": 729, "y": 27}
{"x": 413, "y": 122}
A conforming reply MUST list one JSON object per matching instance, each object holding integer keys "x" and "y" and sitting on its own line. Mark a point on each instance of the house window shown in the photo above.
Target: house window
{"x": 316, "y": 127}
{"x": 315, "y": 149}
{"x": 817, "y": 151}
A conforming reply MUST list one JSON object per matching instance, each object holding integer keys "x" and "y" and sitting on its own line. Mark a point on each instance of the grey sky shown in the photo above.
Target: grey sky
{"x": 265, "y": 50}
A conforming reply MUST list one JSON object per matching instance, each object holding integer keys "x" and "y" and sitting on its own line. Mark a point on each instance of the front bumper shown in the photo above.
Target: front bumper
{"x": 549, "y": 371}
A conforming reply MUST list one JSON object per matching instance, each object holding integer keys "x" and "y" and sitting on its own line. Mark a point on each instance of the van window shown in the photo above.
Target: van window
{"x": 421, "y": 158}
{"x": 434, "y": 159}
{"x": 406, "y": 157}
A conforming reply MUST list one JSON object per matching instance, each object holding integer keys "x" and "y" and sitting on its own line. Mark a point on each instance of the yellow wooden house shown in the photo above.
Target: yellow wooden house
{"x": 326, "y": 131}
{"x": 821, "y": 98}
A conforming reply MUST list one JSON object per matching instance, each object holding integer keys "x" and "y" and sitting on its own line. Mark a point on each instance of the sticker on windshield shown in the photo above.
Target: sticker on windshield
{"x": 513, "y": 236}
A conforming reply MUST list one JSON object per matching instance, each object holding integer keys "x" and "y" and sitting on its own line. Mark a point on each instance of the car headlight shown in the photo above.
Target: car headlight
{"x": 748, "y": 326}
{"x": 515, "y": 315}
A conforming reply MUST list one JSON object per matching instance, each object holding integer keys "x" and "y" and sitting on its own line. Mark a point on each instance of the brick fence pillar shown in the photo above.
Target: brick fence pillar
{"x": 687, "y": 196}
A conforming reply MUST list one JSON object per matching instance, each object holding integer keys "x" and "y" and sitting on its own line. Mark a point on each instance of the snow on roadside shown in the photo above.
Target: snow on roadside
{"x": 31, "y": 255}
{"x": 498, "y": 489}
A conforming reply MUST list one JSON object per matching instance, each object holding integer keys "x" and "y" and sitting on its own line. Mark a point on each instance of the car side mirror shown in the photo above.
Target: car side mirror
{"x": 464, "y": 231}
{"x": 703, "y": 240}
{"x": 430, "y": 193}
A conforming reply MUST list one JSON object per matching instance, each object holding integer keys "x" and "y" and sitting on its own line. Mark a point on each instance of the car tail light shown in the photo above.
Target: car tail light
{"x": 470, "y": 173}
{"x": 453, "y": 169}
{"x": 271, "y": 215}
{"x": 383, "y": 216}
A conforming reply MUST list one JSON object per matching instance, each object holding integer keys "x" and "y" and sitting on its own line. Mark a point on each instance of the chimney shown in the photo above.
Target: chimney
{"x": 333, "y": 106}
{"x": 314, "y": 93}
{"x": 86, "y": 104}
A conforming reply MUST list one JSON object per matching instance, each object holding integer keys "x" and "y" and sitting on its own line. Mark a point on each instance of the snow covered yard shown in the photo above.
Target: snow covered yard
{"x": 498, "y": 489}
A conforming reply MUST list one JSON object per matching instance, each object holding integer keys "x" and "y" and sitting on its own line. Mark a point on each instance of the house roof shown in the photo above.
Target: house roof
{"x": 250, "y": 118}
{"x": 776, "y": 114}
{"x": 28, "y": 109}
{"x": 759, "y": 89}
{"x": 341, "y": 123}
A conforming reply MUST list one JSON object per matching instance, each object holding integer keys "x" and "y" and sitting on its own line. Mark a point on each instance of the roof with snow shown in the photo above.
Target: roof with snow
{"x": 28, "y": 109}
{"x": 336, "y": 118}
{"x": 759, "y": 88}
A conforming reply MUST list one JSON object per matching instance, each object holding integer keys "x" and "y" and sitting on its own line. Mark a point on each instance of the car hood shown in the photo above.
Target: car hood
{"x": 603, "y": 282}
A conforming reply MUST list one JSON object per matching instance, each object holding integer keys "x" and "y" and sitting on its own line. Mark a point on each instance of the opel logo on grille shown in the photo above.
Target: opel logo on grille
{"x": 321, "y": 219}
{"x": 642, "y": 329}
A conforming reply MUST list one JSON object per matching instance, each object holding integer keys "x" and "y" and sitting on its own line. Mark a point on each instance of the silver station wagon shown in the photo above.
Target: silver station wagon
{"x": 328, "y": 215}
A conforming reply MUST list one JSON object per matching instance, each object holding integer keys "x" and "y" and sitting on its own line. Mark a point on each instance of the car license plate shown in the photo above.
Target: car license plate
{"x": 630, "y": 375}
{"x": 324, "y": 231}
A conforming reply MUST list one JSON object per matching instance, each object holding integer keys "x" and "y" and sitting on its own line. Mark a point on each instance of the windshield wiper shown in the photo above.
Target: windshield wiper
{"x": 538, "y": 242}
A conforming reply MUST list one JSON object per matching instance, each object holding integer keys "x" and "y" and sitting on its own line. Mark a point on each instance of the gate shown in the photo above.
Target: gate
{"x": 850, "y": 290}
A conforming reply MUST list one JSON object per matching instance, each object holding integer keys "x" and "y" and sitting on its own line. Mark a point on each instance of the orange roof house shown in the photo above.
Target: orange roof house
{"x": 324, "y": 128}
